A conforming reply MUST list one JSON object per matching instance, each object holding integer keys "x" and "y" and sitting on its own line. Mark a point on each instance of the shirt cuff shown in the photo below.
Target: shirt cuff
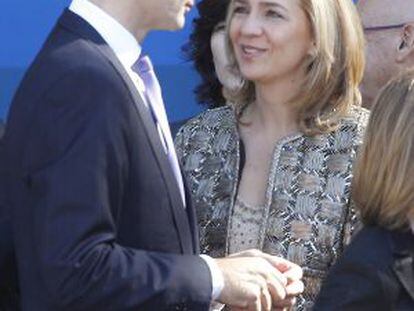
{"x": 217, "y": 279}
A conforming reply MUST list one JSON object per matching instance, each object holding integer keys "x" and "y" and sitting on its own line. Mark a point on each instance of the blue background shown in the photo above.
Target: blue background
{"x": 24, "y": 25}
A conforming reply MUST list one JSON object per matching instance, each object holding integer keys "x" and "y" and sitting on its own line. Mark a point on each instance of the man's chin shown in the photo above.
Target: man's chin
{"x": 180, "y": 23}
{"x": 176, "y": 25}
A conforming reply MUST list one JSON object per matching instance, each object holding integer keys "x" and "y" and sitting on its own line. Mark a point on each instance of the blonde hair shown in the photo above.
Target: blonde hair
{"x": 334, "y": 72}
{"x": 383, "y": 184}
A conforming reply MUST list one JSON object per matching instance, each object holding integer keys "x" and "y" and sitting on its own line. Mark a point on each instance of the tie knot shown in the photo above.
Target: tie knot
{"x": 143, "y": 65}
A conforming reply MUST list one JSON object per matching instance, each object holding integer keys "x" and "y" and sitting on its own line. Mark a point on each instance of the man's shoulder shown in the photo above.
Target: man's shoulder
{"x": 65, "y": 50}
{"x": 67, "y": 61}
{"x": 72, "y": 45}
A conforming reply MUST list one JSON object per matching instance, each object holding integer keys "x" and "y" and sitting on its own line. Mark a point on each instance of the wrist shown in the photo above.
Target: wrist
{"x": 217, "y": 278}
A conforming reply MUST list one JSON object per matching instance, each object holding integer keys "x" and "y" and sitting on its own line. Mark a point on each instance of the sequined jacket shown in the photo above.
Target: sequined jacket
{"x": 308, "y": 210}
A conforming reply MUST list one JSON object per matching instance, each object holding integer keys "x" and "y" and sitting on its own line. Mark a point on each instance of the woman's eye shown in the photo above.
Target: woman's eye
{"x": 240, "y": 10}
{"x": 275, "y": 14}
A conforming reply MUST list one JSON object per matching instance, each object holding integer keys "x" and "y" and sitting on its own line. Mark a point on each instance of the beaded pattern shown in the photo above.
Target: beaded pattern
{"x": 244, "y": 232}
{"x": 307, "y": 216}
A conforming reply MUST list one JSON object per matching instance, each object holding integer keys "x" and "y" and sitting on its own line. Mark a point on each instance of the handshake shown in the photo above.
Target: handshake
{"x": 255, "y": 281}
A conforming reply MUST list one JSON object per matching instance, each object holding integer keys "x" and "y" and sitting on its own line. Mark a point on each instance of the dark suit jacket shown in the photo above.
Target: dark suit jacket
{"x": 375, "y": 273}
{"x": 98, "y": 221}
{"x": 8, "y": 273}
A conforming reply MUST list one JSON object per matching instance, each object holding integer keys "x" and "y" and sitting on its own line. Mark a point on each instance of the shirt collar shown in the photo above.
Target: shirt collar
{"x": 122, "y": 42}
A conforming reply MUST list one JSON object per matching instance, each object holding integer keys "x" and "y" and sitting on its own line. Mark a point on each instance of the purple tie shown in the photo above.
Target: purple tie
{"x": 143, "y": 67}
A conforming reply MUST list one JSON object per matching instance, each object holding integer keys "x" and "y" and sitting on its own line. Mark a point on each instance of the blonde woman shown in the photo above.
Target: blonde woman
{"x": 273, "y": 172}
{"x": 376, "y": 271}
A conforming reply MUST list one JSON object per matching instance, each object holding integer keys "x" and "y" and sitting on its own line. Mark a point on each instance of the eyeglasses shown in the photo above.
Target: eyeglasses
{"x": 385, "y": 27}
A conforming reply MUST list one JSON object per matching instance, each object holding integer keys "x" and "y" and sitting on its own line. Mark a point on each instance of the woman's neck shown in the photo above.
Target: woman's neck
{"x": 273, "y": 111}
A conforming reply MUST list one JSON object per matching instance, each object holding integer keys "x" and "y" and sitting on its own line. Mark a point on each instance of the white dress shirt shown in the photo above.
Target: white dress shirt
{"x": 127, "y": 50}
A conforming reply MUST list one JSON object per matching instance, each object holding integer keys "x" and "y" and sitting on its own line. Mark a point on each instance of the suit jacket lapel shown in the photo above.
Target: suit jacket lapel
{"x": 403, "y": 249}
{"x": 81, "y": 27}
{"x": 192, "y": 219}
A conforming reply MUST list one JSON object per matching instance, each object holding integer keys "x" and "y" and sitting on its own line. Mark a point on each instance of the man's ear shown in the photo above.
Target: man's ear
{"x": 405, "y": 49}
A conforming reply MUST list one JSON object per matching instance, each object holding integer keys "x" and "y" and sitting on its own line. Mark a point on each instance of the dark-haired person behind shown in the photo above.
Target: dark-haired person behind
{"x": 376, "y": 271}
{"x": 206, "y": 49}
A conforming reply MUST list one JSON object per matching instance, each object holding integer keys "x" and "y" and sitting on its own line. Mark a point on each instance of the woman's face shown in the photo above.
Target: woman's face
{"x": 272, "y": 39}
{"x": 227, "y": 75}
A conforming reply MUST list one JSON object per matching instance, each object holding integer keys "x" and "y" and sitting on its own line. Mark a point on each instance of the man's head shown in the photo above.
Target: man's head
{"x": 390, "y": 50}
{"x": 142, "y": 16}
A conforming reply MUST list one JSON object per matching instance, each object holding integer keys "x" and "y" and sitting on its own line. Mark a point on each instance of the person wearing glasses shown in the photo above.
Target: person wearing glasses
{"x": 389, "y": 33}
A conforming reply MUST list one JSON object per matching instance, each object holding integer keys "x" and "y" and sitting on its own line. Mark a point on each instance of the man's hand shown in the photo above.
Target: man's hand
{"x": 251, "y": 282}
{"x": 254, "y": 280}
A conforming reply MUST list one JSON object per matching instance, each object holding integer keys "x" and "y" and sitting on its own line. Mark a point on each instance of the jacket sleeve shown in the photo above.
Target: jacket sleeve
{"x": 75, "y": 169}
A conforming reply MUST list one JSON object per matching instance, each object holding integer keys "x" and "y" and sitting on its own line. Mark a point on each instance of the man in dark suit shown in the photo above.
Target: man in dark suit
{"x": 101, "y": 220}
{"x": 8, "y": 273}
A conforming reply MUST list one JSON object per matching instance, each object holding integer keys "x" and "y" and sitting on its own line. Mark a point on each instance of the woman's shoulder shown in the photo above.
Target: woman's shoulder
{"x": 350, "y": 131}
{"x": 357, "y": 118}
{"x": 347, "y": 136}
{"x": 210, "y": 120}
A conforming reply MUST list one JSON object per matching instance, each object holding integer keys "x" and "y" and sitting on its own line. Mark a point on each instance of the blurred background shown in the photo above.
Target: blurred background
{"x": 24, "y": 26}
